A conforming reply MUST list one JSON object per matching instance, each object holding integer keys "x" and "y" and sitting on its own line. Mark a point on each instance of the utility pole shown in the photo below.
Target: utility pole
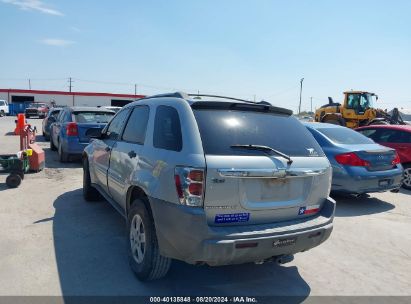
{"x": 29, "y": 84}
{"x": 311, "y": 104}
{"x": 301, "y": 91}
{"x": 70, "y": 86}
{"x": 135, "y": 89}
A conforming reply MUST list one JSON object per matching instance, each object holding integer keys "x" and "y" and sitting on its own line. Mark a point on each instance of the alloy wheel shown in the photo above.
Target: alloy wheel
{"x": 407, "y": 177}
{"x": 137, "y": 239}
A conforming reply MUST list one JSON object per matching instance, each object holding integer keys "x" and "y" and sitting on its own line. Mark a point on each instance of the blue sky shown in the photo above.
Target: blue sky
{"x": 239, "y": 48}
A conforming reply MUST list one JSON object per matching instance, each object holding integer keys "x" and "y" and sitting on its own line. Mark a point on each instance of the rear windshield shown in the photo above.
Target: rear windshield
{"x": 222, "y": 129}
{"x": 93, "y": 117}
{"x": 345, "y": 136}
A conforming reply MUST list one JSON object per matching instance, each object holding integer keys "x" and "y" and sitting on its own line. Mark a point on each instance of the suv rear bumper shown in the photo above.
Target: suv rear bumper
{"x": 183, "y": 234}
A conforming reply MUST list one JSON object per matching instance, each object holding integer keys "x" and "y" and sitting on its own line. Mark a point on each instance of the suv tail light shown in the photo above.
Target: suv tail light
{"x": 71, "y": 129}
{"x": 190, "y": 185}
{"x": 351, "y": 159}
{"x": 396, "y": 160}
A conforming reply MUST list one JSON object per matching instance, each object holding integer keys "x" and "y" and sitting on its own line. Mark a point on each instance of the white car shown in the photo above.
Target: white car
{"x": 4, "y": 108}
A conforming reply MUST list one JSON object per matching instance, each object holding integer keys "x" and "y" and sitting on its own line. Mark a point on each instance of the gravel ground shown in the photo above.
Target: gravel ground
{"x": 52, "y": 242}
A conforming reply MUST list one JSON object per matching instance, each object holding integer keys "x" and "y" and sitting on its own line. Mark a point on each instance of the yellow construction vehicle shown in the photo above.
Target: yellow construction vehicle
{"x": 357, "y": 110}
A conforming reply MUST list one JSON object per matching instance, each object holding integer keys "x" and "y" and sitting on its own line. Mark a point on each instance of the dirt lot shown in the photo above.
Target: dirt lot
{"x": 52, "y": 242}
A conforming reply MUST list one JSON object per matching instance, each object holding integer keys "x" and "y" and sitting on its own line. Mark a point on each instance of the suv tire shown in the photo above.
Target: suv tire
{"x": 52, "y": 146}
{"x": 2, "y": 113}
{"x": 89, "y": 192}
{"x": 407, "y": 177}
{"x": 144, "y": 253}
{"x": 63, "y": 156}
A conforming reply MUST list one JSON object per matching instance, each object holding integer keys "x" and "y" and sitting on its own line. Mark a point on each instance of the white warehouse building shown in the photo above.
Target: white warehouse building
{"x": 19, "y": 98}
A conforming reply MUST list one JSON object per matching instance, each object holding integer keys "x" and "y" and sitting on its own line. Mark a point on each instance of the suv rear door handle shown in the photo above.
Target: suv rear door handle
{"x": 132, "y": 154}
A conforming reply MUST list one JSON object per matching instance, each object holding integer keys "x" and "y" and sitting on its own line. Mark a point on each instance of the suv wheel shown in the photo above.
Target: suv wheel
{"x": 63, "y": 156}
{"x": 2, "y": 113}
{"x": 89, "y": 192}
{"x": 144, "y": 254}
{"x": 407, "y": 177}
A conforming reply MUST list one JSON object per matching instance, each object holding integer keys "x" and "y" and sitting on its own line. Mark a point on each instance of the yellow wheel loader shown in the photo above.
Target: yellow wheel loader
{"x": 357, "y": 110}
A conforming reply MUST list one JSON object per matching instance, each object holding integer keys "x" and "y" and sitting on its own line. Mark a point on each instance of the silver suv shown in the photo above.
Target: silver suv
{"x": 209, "y": 180}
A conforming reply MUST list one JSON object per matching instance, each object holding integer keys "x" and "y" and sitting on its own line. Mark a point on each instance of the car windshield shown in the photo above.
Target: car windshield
{"x": 36, "y": 105}
{"x": 221, "y": 130}
{"x": 345, "y": 136}
{"x": 92, "y": 117}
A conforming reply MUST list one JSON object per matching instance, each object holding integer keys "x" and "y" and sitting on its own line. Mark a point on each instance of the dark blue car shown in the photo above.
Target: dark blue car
{"x": 69, "y": 134}
{"x": 359, "y": 164}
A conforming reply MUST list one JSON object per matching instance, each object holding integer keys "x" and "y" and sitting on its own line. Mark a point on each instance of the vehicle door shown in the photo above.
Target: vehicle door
{"x": 125, "y": 154}
{"x": 102, "y": 147}
{"x": 401, "y": 142}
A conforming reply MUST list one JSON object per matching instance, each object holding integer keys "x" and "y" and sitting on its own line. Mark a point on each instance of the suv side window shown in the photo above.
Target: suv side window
{"x": 135, "y": 130}
{"x": 116, "y": 124}
{"x": 167, "y": 129}
{"x": 2, "y": 103}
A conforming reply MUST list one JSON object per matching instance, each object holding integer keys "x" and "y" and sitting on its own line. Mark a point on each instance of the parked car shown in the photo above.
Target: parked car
{"x": 397, "y": 137}
{"x": 112, "y": 108}
{"x": 4, "y": 108}
{"x": 50, "y": 118}
{"x": 69, "y": 134}
{"x": 359, "y": 164}
{"x": 210, "y": 182}
{"x": 37, "y": 109}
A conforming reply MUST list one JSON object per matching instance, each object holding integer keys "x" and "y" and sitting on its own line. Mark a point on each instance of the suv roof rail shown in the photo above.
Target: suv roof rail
{"x": 186, "y": 96}
{"x": 175, "y": 94}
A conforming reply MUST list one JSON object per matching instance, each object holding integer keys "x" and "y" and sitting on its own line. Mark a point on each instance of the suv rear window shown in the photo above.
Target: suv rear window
{"x": 93, "y": 117}
{"x": 222, "y": 129}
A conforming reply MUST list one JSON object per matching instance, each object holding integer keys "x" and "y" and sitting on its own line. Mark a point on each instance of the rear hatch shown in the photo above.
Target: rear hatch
{"x": 83, "y": 129}
{"x": 89, "y": 119}
{"x": 254, "y": 185}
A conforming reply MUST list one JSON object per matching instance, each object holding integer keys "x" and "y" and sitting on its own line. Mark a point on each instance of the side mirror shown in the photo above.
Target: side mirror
{"x": 52, "y": 119}
{"x": 95, "y": 133}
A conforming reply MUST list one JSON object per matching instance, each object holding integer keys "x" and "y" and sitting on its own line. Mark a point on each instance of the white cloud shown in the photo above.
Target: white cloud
{"x": 35, "y": 5}
{"x": 57, "y": 42}
{"x": 75, "y": 29}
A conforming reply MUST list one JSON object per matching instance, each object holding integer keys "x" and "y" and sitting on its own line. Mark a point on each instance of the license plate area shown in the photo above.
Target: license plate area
{"x": 284, "y": 242}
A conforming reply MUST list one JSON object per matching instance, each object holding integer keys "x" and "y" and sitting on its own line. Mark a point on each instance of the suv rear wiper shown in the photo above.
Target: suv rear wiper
{"x": 265, "y": 149}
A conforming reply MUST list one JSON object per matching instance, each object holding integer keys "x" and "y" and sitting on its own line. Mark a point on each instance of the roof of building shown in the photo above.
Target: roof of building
{"x": 44, "y": 92}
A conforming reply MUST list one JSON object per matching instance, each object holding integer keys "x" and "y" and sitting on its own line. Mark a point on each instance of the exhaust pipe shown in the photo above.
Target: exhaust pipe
{"x": 280, "y": 259}
{"x": 283, "y": 259}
